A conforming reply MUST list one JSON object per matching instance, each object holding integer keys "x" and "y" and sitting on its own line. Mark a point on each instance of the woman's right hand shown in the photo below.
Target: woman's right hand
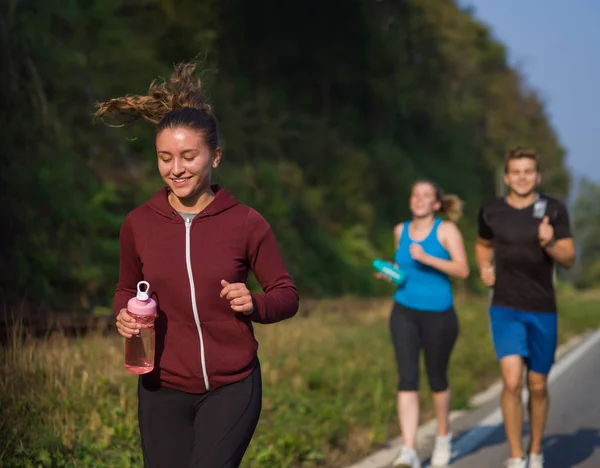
{"x": 384, "y": 277}
{"x": 126, "y": 325}
{"x": 381, "y": 276}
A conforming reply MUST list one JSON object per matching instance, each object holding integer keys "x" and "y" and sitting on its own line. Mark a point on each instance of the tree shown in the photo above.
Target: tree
{"x": 586, "y": 225}
{"x": 327, "y": 117}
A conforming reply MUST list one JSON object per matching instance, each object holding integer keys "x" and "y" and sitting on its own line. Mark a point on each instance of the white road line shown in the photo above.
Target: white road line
{"x": 486, "y": 426}
{"x": 567, "y": 355}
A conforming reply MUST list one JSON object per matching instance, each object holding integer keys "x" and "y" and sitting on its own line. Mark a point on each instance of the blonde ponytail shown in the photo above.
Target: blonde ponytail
{"x": 452, "y": 206}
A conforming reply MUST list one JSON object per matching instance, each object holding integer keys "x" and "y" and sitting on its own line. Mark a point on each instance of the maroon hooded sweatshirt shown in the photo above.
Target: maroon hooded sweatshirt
{"x": 201, "y": 343}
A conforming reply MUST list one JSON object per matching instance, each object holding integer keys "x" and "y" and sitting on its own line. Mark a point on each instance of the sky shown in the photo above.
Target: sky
{"x": 556, "y": 43}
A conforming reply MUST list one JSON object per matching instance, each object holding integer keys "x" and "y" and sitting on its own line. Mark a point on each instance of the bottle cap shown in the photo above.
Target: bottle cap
{"x": 142, "y": 295}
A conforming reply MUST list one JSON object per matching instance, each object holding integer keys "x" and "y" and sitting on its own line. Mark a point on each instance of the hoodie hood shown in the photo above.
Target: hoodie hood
{"x": 223, "y": 201}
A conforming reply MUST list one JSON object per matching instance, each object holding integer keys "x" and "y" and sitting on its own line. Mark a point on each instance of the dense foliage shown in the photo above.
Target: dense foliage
{"x": 327, "y": 115}
{"x": 586, "y": 224}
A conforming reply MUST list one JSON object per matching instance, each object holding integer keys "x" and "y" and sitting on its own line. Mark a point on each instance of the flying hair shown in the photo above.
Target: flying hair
{"x": 177, "y": 102}
{"x": 181, "y": 90}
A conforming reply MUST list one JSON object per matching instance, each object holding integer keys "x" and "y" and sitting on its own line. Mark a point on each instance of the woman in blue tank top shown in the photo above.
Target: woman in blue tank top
{"x": 430, "y": 251}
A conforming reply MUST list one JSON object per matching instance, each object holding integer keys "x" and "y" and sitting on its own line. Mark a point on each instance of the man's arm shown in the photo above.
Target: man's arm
{"x": 560, "y": 245}
{"x": 484, "y": 254}
{"x": 484, "y": 250}
{"x": 562, "y": 252}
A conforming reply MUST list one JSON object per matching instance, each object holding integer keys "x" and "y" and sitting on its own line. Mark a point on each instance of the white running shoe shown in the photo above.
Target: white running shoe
{"x": 442, "y": 450}
{"x": 407, "y": 459}
{"x": 536, "y": 460}
{"x": 515, "y": 463}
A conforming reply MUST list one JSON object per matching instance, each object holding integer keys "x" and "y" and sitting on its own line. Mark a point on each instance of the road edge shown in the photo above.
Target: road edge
{"x": 383, "y": 457}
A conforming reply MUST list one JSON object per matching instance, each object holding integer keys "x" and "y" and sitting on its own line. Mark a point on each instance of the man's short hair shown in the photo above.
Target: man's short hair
{"x": 521, "y": 152}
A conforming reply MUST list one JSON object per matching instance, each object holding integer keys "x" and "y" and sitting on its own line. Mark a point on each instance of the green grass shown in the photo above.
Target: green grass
{"x": 329, "y": 388}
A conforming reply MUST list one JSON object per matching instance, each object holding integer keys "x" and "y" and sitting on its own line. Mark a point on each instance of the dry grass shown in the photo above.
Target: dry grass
{"x": 72, "y": 390}
{"x": 329, "y": 388}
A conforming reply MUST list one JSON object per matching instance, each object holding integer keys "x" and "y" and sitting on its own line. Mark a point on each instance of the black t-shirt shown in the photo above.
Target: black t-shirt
{"x": 524, "y": 271}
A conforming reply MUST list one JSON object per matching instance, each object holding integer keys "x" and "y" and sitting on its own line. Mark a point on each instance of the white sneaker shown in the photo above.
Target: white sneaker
{"x": 515, "y": 463}
{"x": 407, "y": 459}
{"x": 442, "y": 450}
{"x": 536, "y": 460}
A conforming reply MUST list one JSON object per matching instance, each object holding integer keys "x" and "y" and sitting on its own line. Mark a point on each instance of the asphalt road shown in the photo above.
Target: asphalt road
{"x": 572, "y": 437}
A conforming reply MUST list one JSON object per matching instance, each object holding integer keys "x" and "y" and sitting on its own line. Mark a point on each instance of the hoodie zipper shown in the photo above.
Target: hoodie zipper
{"x": 188, "y": 261}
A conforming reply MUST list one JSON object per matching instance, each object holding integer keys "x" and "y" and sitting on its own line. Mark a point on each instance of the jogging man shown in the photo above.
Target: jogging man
{"x": 520, "y": 238}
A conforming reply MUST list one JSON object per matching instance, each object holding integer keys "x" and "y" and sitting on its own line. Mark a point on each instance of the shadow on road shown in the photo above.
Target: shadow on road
{"x": 560, "y": 450}
{"x": 496, "y": 437}
{"x": 571, "y": 450}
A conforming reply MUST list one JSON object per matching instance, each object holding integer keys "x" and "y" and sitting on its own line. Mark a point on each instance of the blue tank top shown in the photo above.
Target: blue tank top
{"x": 426, "y": 288}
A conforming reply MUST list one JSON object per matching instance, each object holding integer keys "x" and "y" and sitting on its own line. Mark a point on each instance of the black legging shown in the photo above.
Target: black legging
{"x": 211, "y": 430}
{"x": 436, "y": 332}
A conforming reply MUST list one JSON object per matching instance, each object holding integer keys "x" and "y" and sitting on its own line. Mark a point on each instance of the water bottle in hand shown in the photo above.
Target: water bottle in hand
{"x": 390, "y": 270}
{"x": 139, "y": 349}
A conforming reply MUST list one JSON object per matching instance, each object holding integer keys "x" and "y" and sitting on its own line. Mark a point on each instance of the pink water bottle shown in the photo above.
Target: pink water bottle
{"x": 139, "y": 349}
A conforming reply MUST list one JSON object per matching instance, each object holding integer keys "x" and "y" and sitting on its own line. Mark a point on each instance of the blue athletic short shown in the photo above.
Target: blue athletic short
{"x": 532, "y": 335}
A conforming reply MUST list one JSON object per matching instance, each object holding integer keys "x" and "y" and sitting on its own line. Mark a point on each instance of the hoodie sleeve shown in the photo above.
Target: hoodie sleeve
{"x": 130, "y": 268}
{"x": 280, "y": 299}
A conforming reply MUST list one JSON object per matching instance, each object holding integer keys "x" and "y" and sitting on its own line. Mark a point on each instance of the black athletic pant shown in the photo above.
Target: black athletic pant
{"x": 435, "y": 332}
{"x": 210, "y": 430}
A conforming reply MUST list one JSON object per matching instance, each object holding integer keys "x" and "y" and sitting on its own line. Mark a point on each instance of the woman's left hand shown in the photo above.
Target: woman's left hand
{"x": 238, "y": 296}
{"x": 418, "y": 253}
